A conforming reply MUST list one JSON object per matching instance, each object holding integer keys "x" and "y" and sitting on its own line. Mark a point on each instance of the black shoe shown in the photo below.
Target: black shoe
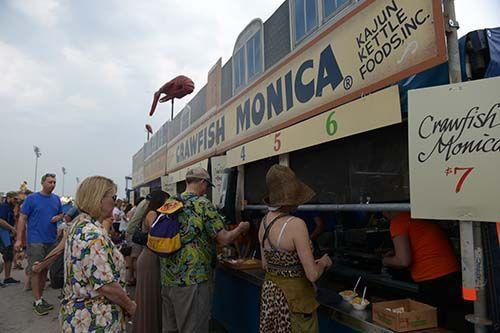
{"x": 10, "y": 281}
{"x": 48, "y": 305}
{"x": 40, "y": 309}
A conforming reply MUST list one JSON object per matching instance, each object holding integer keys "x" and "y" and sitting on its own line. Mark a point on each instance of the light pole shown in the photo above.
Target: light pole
{"x": 63, "y": 169}
{"x": 38, "y": 153}
{"x": 127, "y": 178}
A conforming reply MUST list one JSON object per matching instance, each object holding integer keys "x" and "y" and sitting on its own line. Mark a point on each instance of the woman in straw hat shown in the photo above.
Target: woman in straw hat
{"x": 288, "y": 300}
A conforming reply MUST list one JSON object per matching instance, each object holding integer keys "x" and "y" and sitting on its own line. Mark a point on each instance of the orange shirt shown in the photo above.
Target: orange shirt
{"x": 432, "y": 254}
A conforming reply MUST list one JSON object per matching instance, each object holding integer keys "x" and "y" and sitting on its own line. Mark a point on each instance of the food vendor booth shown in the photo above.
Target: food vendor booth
{"x": 338, "y": 111}
{"x": 356, "y": 156}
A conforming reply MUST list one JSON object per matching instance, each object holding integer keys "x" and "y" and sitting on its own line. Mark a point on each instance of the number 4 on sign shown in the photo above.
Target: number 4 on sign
{"x": 242, "y": 153}
{"x": 461, "y": 181}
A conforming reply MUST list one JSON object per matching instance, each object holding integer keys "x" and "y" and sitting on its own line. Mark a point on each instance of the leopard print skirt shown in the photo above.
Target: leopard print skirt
{"x": 274, "y": 311}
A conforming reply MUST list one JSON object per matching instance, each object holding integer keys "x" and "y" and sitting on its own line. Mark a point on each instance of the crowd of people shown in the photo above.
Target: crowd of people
{"x": 102, "y": 241}
{"x": 103, "y": 246}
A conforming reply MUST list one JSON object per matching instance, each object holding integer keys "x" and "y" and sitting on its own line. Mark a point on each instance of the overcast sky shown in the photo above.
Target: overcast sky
{"x": 77, "y": 77}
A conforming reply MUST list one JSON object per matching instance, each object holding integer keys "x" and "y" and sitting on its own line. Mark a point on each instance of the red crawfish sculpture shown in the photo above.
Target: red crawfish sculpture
{"x": 176, "y": 88}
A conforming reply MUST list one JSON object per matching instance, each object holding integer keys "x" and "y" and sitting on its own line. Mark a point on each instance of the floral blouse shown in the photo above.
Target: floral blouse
{"x": 91, "y": 261}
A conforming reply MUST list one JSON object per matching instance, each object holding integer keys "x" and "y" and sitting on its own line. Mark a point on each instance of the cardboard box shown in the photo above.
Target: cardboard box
{"x": 416, "y": 315}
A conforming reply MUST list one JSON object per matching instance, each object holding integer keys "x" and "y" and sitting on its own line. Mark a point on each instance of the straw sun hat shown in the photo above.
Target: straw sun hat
{"x": 285, "y": 189}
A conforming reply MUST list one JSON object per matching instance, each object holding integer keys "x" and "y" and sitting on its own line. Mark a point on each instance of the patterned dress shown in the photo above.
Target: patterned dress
{"x": 288, "y": 299}
{"x": 91, "y": 261}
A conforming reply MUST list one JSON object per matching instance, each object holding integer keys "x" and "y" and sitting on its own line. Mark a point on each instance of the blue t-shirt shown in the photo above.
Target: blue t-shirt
{"x": 40, "y": 209}
{"x": 6, "y": 214}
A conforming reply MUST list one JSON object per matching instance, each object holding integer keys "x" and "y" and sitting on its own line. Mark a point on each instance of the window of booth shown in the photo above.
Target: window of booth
{"x": 239, "y": 68}
{"x": 331, "y": 7}
{"x": 306, "y": 18}
{"x": 248, "y": 59}
{"x": 254, "y": 55}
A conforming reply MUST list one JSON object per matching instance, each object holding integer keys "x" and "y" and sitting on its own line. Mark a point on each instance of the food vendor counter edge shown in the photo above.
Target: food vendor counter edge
{"x": 237, "y": 297}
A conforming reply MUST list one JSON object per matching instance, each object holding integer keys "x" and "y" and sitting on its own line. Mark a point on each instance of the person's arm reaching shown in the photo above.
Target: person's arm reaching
{"x": 21, "y": 230}
{"x": 313, "y": 268}
{"x": 225, "y": 237}
{"x": 402, "y": 256}
{"x": 5, "y": 225}
{"x": 57, "y": 218}
{"x": 117, "y": 295}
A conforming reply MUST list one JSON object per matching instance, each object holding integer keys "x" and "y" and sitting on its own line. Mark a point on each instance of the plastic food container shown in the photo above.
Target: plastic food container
{"x": 356, "y": 303}
{"x": 348, "y": 295}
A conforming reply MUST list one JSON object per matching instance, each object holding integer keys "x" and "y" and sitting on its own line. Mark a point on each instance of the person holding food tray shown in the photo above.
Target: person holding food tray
{"x": 288, "y": 299}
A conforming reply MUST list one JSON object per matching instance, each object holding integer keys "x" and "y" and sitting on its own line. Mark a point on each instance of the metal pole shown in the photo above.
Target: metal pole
{"x": 172, "y": 114}
{"x": 480, "y": 306}
{"x": 470, "y": 232}
{"x": 397, "y": 207}
{"x": 452, "y": 26}
{"x": 36, "y": 170}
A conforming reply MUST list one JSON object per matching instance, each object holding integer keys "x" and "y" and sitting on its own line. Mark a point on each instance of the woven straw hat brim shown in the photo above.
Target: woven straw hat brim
{"x": 285, "y": 189}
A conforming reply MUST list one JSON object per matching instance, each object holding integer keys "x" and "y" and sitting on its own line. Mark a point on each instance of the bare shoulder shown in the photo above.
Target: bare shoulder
{"x": 151, "y": 215}
{"x": 297, "y": 223}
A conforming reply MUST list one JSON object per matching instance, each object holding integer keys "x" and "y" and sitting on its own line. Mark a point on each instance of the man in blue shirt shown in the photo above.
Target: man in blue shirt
{"x": 7, "y": 223}
{"x": 40, "y": 212}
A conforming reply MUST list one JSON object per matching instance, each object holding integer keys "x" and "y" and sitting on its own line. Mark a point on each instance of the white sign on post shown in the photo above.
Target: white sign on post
{"x": 132, "y": 197}
{"x": 144, "y": 191}
{"x": 218, "y": 164}
{"x": 169, "y": 185}
{"x": 454, "y": 151}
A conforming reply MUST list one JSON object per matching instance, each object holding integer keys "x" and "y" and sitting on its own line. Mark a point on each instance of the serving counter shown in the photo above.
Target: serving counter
{"x": 237, "y": 296}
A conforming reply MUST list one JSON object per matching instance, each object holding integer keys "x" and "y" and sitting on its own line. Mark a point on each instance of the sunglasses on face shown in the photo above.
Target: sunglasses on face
{"x": 51, "y": 175}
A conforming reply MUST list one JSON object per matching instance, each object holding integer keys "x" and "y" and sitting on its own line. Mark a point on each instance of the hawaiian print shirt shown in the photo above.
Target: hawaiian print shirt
{"x": 91, "y": 261}
{"x": 192, "y": 264}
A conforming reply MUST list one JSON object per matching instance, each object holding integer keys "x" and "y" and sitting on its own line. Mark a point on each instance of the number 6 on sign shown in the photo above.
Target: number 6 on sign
{"x": 331, "y": 124}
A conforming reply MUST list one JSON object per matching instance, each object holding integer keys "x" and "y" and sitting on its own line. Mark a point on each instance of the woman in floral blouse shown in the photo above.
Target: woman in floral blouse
{"x": 94, "y": 296}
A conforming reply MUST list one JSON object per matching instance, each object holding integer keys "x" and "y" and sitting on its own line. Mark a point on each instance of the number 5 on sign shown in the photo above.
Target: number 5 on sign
{"x": 277, "y": 141}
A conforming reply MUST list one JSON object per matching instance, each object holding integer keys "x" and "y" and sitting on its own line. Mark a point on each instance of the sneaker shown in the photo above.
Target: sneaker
{"x": 10, "y": 281}
{"x": 2, "y": 285}
{"x": 40, "y": 309}
{"x": 48, "y": 305}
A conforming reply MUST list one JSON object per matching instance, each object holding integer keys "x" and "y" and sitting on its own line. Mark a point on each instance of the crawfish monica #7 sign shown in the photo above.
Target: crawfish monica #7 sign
{"x": 454, "y": 136}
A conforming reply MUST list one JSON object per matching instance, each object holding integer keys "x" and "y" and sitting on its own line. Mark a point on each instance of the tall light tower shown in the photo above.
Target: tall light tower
{"x": 38, "y": 153}
{"x": 63, "y": 169}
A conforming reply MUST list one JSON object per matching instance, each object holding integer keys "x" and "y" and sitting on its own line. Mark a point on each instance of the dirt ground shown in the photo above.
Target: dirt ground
{"x": 16, "y": 314}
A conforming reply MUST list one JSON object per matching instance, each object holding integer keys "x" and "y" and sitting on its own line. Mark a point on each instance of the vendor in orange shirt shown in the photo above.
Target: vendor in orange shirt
{"x": 424, "y": 248}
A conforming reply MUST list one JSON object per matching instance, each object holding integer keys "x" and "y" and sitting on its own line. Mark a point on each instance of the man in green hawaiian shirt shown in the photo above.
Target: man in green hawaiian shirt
{"x": 185, "y": 274}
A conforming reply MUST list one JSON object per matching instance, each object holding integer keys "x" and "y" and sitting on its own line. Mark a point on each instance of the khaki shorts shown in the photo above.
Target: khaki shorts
{"x": 186, "y": 309}
{"x": 37, "y": 252}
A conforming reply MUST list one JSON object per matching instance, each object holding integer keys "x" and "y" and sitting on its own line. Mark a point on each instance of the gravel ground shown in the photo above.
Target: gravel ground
{"x": 16, "y": 314}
